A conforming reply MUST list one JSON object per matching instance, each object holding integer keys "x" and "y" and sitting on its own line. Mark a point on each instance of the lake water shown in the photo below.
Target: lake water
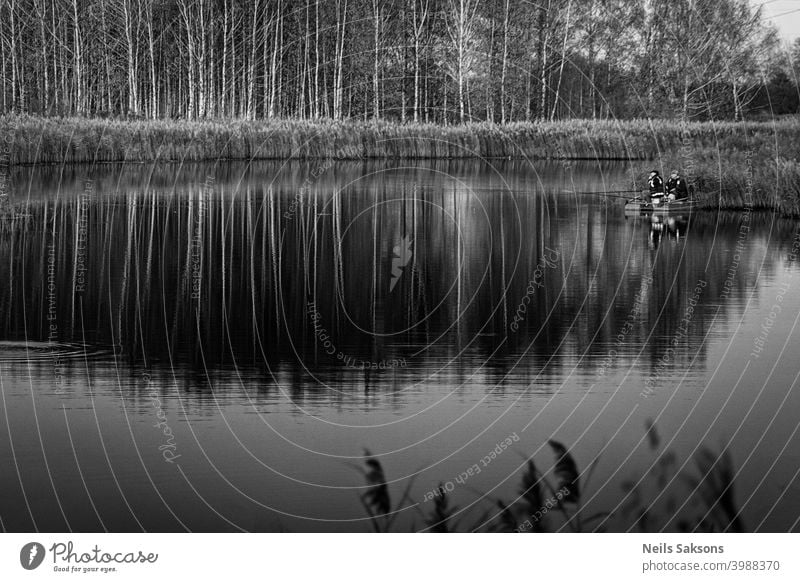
{"x": 215, "y": 347}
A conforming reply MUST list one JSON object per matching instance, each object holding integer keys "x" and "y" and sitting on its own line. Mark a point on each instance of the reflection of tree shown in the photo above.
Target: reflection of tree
{"x": 259, "y": 255}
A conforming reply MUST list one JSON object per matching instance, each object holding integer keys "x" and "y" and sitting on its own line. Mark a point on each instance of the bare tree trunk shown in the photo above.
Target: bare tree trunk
{"x": 44, "y": 97}
{"x": 544, "y": 31}
{"x": 504, "y": 67}
{"x": 78, "y": 56}
{"x": 130, "y": 46}
{"x": 191, "y": 53}
{"x": 325, "y": 93}
{"x": 265, "y": 25}
{"x": 420, "y": 17}
{"x": 376, "y": 16}
{"x": 251, "y": 81}
{"x": 301, "y": 104}
{"x": 233, "y": 63}
{"x": 225, "y": 29}
{"x": 214, "y": 101}
{"x": 273, "y": 90}
{"x": 461, "y": 51}
{"x": 444, "y": 108}
{"x": 17, "y": 90}
{"x": 652, "y": 47}
{"x": 529, "y": 92}
{"x": 152, "y": 52}
{"x": 338, "y": 93}
{"x": 317, "y": 112}
{"x": 489, "y": 88}
{"x": 686, "y": 98}
{"x": 279, "y": 92}
{"x": 404, "y": 68}
{"x": 106, "y": 56}
{"x": 54, "y": 33}
{"x": 461, "y": 19}
{"x": 561, "y": 67}
{"x": 686, "y": 78}
{"x": 3, "y": 67}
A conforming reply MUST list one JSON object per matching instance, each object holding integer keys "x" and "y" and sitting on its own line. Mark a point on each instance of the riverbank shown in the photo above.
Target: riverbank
{"x": 59, "y": 140}
{"x": 735, "y": 165}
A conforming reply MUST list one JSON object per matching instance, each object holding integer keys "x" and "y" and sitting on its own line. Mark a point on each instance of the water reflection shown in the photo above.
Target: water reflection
{"x": 359, "y": 288}
{"x": 259, "y": 275}
{"x": 672, "y": 228}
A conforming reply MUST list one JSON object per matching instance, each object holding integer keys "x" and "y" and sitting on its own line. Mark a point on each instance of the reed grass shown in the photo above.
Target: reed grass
{"x": 58, "y": 140}
{"x": 556, "y": 503}
{"x": 719, "y": 154}
{"x": 749, "y": 179}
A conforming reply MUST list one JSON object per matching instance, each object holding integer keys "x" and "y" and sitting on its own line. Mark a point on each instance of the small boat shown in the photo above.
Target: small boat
{"x": 640, "y": 205}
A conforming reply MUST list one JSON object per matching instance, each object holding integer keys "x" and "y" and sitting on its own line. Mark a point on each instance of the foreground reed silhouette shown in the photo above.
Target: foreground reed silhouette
{"x": 557, "y": 504}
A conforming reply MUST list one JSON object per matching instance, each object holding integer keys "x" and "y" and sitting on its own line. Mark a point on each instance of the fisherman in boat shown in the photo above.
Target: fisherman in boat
{"x": 656, "y": 185}
{"x": 676, "y": 187}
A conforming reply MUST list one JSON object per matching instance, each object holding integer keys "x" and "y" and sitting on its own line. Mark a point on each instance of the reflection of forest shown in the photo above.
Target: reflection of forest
{"x": 227, "y": 273}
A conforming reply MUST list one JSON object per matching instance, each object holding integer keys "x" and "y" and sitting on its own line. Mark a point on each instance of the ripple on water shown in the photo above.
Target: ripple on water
{"x": 33, "y": 351}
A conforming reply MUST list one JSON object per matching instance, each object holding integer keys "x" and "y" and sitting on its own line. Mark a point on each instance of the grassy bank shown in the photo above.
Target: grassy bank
{"x": 735, "y": 165}
{"x": 57, "y": 140}
{"x": 759, "y": 184}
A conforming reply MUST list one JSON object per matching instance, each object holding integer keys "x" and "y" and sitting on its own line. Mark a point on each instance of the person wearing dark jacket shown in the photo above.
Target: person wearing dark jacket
{"x": 676, "y": 187}
{"x": 655, "y": 183}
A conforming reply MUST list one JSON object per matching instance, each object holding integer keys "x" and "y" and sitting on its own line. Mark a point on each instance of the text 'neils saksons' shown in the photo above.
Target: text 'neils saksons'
{"x": 663, "y": 548}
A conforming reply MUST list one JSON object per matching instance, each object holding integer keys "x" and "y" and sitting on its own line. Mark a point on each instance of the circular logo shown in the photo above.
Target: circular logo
{"x": 31, "y": 555}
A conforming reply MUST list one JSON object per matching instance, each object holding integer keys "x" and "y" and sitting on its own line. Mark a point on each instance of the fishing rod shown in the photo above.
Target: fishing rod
{"x": 609, "y": 194}
{"x": 603, "y": 192}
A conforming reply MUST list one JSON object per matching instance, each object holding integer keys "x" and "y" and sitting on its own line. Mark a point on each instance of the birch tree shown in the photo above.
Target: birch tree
{"x": 460, "y": 20}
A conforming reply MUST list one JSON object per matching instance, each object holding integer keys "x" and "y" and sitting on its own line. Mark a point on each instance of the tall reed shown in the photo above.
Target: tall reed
{"x": 557, "y": 503}
{"x": 57, "y": 140}
{"x": 734, "y": 165}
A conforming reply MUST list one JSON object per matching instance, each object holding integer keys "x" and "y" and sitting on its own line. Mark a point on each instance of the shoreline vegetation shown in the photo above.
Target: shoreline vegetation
{"x": 559, "y": 499}
{"x": 734, "y": 165}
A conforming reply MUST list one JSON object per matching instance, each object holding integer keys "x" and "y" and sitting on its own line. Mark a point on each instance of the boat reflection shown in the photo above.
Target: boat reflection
{"x": 673, "y": 227}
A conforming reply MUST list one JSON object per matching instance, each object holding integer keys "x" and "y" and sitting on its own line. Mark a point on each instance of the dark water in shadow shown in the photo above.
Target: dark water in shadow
{"x": 214, "y": 347}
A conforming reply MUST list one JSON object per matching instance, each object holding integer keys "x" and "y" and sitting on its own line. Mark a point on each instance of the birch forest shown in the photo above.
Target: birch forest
{"x": 435, "y": 61}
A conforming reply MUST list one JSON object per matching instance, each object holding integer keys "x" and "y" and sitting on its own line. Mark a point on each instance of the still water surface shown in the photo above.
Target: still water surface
{"x": 214, "y": 347}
